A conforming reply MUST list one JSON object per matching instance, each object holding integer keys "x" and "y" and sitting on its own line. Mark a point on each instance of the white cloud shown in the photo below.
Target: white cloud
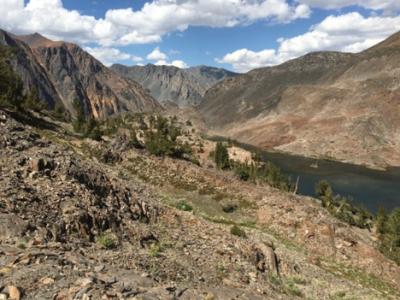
{"x": 349, "y": 33}
{"x": 136, "y": 59}
{"x": 147, "y": 25}
{"x": 161, "y": 62}
{"x": 176, "y": 63}
{"x": 156, "y": 54}
{"x": 108, "y": 56}
{"x": 243, "y": 60}
{"x": 385, "y": 5}
{"x": 179, "y": 64}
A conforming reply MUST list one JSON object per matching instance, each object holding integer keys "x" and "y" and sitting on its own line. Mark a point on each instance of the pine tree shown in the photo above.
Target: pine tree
{"x": 32, "y": 101}
{"x": 381, "y": 221}
{"x": 79, "y": 122}
{"x": 11, "y": 86}
{"x": 221, "y": 156}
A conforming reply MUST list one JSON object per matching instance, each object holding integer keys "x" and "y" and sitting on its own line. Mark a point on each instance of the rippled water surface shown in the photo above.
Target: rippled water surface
{"x": 370, "y": 188}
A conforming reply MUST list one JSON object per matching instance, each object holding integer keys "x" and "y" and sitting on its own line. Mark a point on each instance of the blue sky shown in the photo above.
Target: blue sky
{"x": 235, "y": 34}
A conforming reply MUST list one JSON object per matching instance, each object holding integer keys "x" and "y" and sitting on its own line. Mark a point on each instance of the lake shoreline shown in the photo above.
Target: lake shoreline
{"x": 369, "y": 187}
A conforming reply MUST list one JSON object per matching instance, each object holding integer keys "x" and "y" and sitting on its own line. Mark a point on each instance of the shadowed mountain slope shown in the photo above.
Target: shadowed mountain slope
{"x": 184, "y": 87}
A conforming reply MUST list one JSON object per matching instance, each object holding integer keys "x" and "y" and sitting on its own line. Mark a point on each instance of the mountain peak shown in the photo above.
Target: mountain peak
{"x": 37, "y": 40}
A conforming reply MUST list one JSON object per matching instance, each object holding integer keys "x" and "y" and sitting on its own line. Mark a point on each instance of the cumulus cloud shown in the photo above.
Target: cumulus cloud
{"x": 348, "y": 33}
{"x": 161, "y": 58}
{"x": 385, "y": 5}
{"x": 136, "y": 59}
{"x": 108, "y": 56}
{"x": 156, "y": 54}
{"x": 147, "y": 25}
{"x": 243, "y": 60}
{"x": 179, "y": 64}
{"x": 176, "y": 63}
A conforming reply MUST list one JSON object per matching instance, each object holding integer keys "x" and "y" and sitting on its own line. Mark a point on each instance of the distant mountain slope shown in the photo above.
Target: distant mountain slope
{"x": 27, "y": 66}
{"x": 326, "y": 104}
{"x": 64, "y": 72}
{"x": 184, "y": 87}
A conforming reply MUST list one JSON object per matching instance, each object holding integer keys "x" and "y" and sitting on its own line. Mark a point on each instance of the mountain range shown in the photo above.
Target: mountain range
{"x": 332, "y": 105}
{"x": 183, "y": 87}
{"x": 325, "y": 104}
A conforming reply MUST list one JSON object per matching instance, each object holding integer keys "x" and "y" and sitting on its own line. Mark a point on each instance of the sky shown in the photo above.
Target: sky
{"x": 238, "y": 35}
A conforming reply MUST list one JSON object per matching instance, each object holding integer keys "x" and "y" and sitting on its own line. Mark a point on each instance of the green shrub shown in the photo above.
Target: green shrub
{"x": 88, "y": 127}
{"x": 107, "y": 240}
{"x": 342, "y": 207}
{"x": 80, "y": 120}
{"x": 162, "y": 140}
{"x": 32, "y": 101}
{"x": 134, "y": 141}
{"x": 389, "y": 235}
{"x": 183, "y": 205}
{"x": 155, "y": 250}
{"x": 236, "y": 230}
{"x": 262, "y": 172}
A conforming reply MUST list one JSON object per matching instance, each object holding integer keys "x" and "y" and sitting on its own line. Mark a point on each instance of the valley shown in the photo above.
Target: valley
{"x": 111, "y": 186}
{"x": 324, "y": 104}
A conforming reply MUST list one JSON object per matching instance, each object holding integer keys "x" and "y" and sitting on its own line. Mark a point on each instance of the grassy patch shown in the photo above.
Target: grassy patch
{"x": 236, "y": 230}
{"x": 292, "y": 289}
{"x": 155, "y": 250}
{"x": 107, "y": 240}
{"x": 183, "y": 205}
{"x": 361, "y": 277}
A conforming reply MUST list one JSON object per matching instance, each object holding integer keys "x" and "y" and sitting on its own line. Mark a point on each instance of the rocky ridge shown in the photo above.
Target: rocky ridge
{"x": 183, "y": 87}
{"x": 64, "y": 72}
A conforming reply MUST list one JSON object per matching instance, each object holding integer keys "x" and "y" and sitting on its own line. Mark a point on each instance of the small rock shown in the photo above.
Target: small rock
{"x": 47, "y": 280}
{"x": 5, "y": 270}
{"x": 99, "y": 268}
{"x": 230, "y": 283}
{"x": 84, "y": 282}
{"x": 14, "y": 293}
{"x": 3, "y": 297}
{"x": 85, "y": 297}
{"x": 37, "y": 165}
{"x": 253, "y": 276}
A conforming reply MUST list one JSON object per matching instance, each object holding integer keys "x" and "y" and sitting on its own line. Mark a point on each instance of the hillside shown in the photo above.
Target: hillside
{"x": 329, "y": 105}
{"x": 63, "y": 72}
{"x": 184, "y": 87}
{"x": 82, "y": 219}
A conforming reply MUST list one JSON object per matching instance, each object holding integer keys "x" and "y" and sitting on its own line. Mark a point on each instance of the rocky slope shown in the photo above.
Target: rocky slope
{"x": 64, "y": 72}
{"x": 184, "y": 87}
{"x": 81, "y": 219}
{"x": 336, "y": 105}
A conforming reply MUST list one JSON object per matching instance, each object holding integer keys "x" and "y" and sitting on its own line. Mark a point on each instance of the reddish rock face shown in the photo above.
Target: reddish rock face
{"x": 63, "y": 72}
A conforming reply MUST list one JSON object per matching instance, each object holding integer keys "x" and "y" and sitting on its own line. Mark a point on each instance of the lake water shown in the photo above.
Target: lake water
{"x": 370, "y": 188}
